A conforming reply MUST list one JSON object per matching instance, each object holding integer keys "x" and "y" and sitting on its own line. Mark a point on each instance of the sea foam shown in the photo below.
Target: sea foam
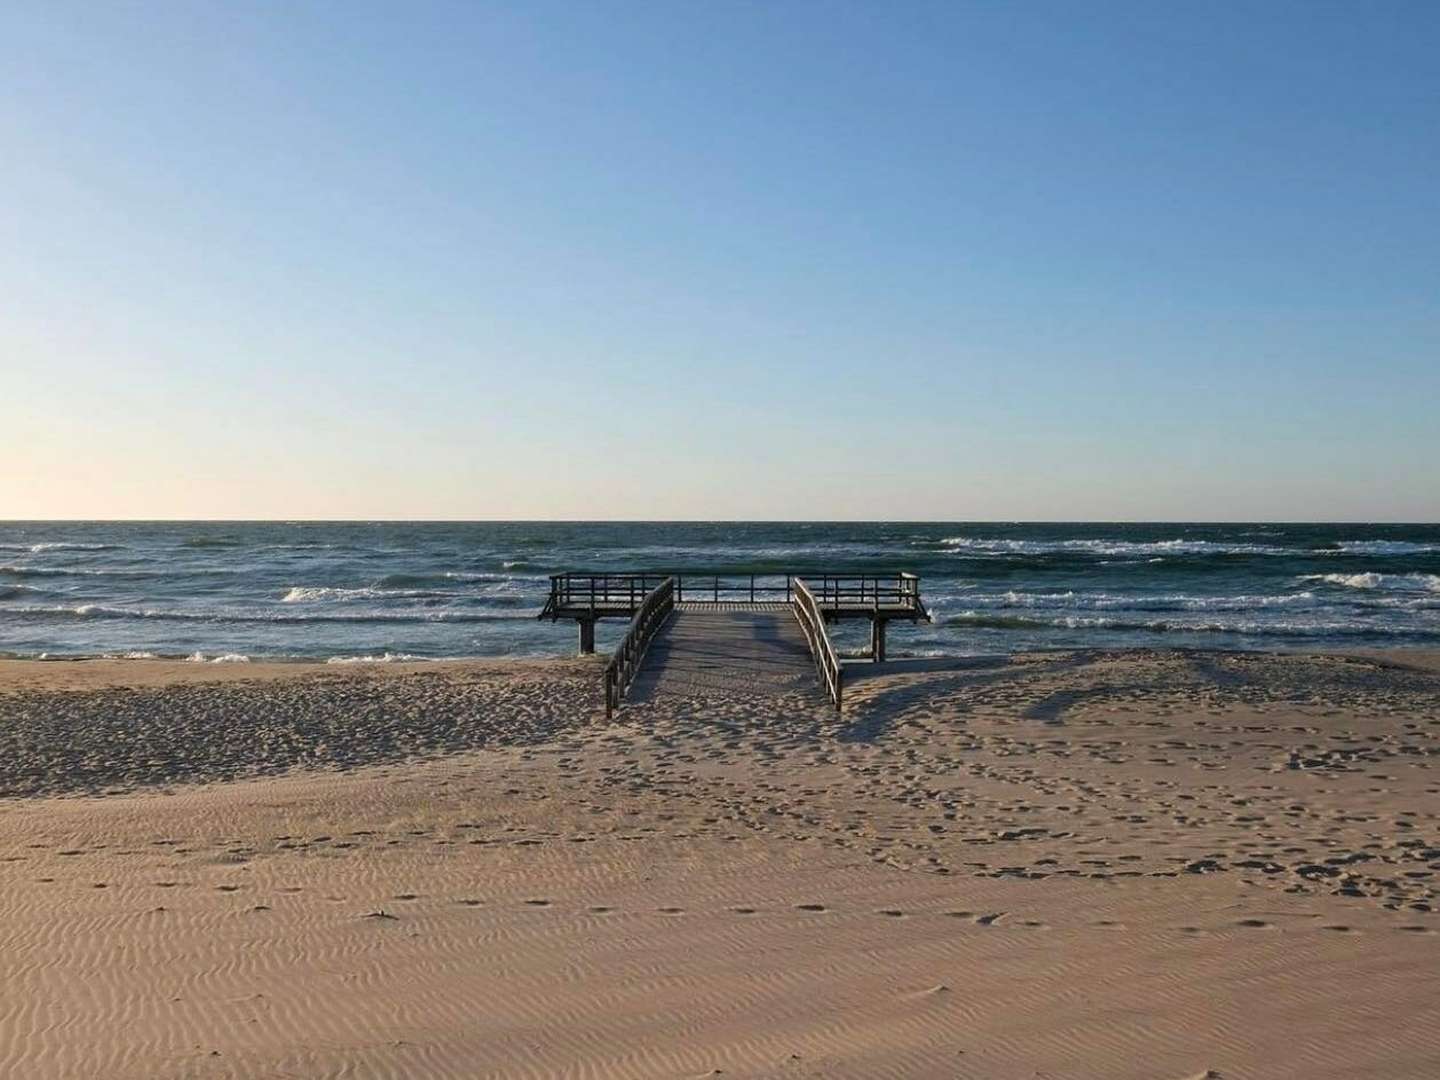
{"x": 1373, "y": 580}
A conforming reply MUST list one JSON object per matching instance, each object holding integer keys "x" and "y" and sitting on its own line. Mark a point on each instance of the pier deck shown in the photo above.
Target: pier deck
{"x": 716, "y": 631}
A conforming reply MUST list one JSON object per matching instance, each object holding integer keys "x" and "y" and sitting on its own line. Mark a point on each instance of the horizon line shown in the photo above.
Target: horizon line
{"x": 710, "y": 521}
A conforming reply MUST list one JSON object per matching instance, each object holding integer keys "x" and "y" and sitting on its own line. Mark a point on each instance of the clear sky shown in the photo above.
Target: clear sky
{"x": 719, "y": 260}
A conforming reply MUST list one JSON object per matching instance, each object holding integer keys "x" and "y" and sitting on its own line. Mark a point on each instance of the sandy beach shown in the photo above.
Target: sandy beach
{"x": 1074, "y": 864}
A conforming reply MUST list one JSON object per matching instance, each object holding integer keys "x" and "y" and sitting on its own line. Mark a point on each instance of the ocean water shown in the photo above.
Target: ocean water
{"x": 354, "y": 592}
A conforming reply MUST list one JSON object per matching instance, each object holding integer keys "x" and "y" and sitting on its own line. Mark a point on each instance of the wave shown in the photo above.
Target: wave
{"x": 384, "y": 658}
{"x": 1180, "y": 546}
{"x": 305, "y": 594}
{"x": 11, "y": 570}
{"x": 1248, "y": 628}
{"x": 1382, "y": 547}
{"x": 1373, "y": 580}
{"x": 446, "y": 578}
{"x": 58, "y": 545}
{"x": 12, "y": 592}
{"x": 223, "y": 658}
{"x": 985, "y": 545}
{"x": 102, "y": 611}
{"x": 498, "y": 588}
{"x": 1120, "y": 602}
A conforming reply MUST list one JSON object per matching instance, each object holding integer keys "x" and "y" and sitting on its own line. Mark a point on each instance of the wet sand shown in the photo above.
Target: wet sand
{"x": 1126, "y": 864}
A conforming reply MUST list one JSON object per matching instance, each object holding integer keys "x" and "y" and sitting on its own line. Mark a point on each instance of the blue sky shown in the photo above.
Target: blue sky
{"x": 830, "y": 260}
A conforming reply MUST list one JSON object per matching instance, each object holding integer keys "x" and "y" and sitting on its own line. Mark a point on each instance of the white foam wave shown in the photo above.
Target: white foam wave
{"x": 1161, "y": 548}
{"x": 384, "y": 658}
{"x": 223, "y": 658}
{"x": 304, "y": 594}
{"x": 503, "y": 579}
{"x": 1102, "y": 601}
{"x": 62, "y": 545}
{"x": 1373, "y": 580}
{"x": 1240, "y": 627}
{"x": 102, "y": 611}
{"x": 1385, "y": 547}
{"x": 308, "y": 594}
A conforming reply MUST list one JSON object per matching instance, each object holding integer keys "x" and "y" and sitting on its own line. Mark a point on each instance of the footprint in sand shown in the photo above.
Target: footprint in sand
{"x": 538, "y": 903}
{"x": 892, "y": 913}
{"x": 1253, "y": 924}
{"x": 990, "y": 920}
{"x": 809, "y": 907}
{"x": 743, "y": 910}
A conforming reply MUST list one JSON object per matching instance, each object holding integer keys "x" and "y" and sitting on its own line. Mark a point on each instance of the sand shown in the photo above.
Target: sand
{"x": 1137, "y": 864}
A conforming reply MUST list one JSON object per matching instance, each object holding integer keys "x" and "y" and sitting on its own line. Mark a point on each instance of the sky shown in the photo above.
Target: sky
{"x": 684, "y": 260}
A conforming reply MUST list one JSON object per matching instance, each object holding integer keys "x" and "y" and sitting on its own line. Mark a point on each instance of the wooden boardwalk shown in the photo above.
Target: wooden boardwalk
{"x": 729, "y": 634}
{"x": 726, "y": 653}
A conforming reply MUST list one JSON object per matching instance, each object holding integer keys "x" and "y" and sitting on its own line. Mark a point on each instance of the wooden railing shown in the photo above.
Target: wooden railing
{"x": 649, "y": 618}
{"x": 623, "y": 593}
{"x": 714, "y": 588}
{"x": 827, "y": 664}
{"x": 868, "y": 590}
{"x": 598, "y": 591}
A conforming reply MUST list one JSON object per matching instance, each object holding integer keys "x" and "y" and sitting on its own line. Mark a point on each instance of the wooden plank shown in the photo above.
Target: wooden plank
{"x": 726, "y": 653}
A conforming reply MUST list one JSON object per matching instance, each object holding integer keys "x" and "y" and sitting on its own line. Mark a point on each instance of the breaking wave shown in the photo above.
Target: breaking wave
{"x": 383, "y": 658}
{"x": 1240, "y": 627}
{"x": 1108, "y": 547}
{"x": 102, "y": 611}
{"x": 1372, "y": 580}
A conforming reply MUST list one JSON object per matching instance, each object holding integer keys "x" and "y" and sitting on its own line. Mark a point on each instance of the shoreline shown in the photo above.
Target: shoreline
{"x": 186, "y": 669}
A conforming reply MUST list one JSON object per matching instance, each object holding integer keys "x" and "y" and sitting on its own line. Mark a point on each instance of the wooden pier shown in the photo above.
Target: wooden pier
{"x": 718, "y": 631}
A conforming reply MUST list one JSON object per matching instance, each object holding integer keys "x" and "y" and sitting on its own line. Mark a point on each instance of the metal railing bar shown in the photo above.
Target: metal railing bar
{"x": 812, "y": 624}
{"x": 625, "y": 662}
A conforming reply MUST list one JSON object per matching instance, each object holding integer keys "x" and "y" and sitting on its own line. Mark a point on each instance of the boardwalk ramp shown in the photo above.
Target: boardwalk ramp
{"x": 726, "y": 653}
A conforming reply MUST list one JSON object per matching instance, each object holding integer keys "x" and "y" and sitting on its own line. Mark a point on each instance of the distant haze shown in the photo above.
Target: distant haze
{"x": 950, "y": 261}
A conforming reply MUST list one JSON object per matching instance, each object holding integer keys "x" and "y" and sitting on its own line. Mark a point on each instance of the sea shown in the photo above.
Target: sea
{"x": 349, "y": 592}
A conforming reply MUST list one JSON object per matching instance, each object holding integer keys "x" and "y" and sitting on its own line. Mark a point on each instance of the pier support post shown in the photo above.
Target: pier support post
{"x": 877, "y": 639}
{"x": 587, "y": 636}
